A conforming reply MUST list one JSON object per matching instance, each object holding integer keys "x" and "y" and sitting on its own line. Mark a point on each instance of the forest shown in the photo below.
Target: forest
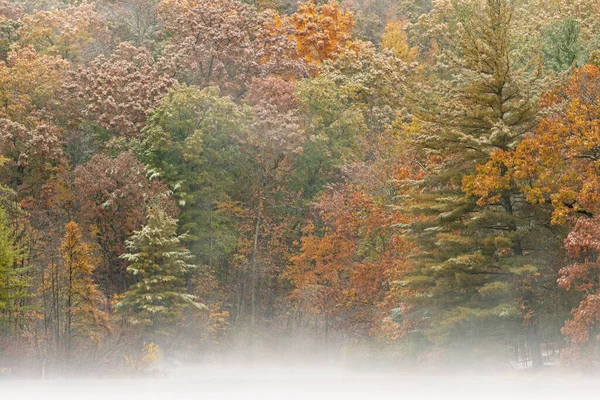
{"x": 412, "y": 180}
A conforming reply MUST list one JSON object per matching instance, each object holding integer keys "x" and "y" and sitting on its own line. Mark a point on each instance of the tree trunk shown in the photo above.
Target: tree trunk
{"x": 254, "y": 278}
{"x": 533, "y": 343}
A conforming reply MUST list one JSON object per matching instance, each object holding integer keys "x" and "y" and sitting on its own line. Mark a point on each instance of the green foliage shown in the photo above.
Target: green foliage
{"x": 7, "y": 257}
{"x": 8, "y": 35}
{"x": 191, "y": 142}
{"x": 355, "y": 98}
{"x": 14, "y": 282}
{"x": 562, "y": 47}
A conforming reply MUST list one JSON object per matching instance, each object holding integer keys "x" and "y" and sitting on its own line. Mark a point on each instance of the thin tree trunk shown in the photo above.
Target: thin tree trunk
{"x": 241, "y": 304}
{"x": 69, "y": 314}
{"x": 56, "y": 304}
{"x": 254, "y": 278}
{"x": 326, "y": 331}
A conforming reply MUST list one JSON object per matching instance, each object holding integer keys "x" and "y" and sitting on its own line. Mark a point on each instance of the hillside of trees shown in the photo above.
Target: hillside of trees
{"x": 418, "y": 179}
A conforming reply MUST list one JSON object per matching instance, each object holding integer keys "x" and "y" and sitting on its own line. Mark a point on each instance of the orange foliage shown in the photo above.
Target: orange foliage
{"x": 321, "y": 31}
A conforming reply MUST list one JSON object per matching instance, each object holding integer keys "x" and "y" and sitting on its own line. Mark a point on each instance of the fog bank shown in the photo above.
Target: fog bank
{"x": 318, "y": 381}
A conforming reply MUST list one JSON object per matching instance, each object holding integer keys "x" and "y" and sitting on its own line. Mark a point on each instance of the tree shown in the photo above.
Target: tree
{"x": 352, "y": 100}
{"x": 477, "y": 259}
{"x": 31, "y": 86}
{"x": 556, "y": 164}
{"x": 83, "y": 319}
{"x": 348, "y": 257}
{"x": 394, "y": 39}
{"x": 9, "y": 26}
{"x": 160, "y": 265}
{"x": 33, "y": 159}
{"x": 271, "y": 147}
{"x": 68, "y": 32}
{"x": 133, "y": 21}
{"x": 30, "y": 112}
{"x": 561, "y": 45}
{"x": 348, "y": 248}
{"x": 582, "y": 277}
{"x": 115, "y": 92}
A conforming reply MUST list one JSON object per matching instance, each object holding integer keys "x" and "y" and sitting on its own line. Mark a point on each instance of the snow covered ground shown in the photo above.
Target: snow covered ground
{"x": 316, "y": 382}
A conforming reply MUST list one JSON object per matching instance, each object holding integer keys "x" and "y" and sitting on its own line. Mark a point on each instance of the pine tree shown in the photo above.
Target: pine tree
{"x": 83, "y": 318}
{"x": 475, "y": 261}
{"x": 160, "y": 263}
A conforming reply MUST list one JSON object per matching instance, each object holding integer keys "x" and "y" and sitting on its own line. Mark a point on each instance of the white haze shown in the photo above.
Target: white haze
{"x": 306, "y": 381}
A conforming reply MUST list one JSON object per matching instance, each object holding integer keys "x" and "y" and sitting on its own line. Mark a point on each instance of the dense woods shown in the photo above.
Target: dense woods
{"x": 416, "y": 180}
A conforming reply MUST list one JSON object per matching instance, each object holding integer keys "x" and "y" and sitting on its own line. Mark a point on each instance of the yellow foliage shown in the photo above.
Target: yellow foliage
{"x": 394, "y": 39}
{"x": 218, "y": 323}
{"x": 63, "y": 32}
{"x": 144, "y": 361}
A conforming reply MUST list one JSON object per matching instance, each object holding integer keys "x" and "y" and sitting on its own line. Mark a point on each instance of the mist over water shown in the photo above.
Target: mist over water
{"x": 306, "y": 379}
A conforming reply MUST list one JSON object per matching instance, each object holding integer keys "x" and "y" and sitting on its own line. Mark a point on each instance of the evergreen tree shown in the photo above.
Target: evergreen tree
{"x": 160, "y": 263}
{"x": 472, "y": 275}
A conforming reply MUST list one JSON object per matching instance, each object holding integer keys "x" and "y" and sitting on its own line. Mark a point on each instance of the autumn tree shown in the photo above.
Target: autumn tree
{"x": 271, "y": 145}
{"x": 31, "y": 86}
{"x": 320, "y": 31}
{"x": 30, "y": 114}
{"x": 114, "y": 93}
{"x": 66, "y": 32}
{"x": 84, "y": 321}
{"x": 354, "y": 97}
{"x": 347, "y": 259}
{"x": 224, "y": 43}
{"x": 556, "y": 164}
{"x": 394, "y": 39}
{"x": 348, "y": 247}
{"x": 581, "y": 276}
{"x": 133, "y": 21}
{"x": 33, "y": 158}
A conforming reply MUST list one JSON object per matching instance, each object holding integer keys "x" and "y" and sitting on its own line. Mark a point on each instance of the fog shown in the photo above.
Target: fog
{"x": 256, "y": 380}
